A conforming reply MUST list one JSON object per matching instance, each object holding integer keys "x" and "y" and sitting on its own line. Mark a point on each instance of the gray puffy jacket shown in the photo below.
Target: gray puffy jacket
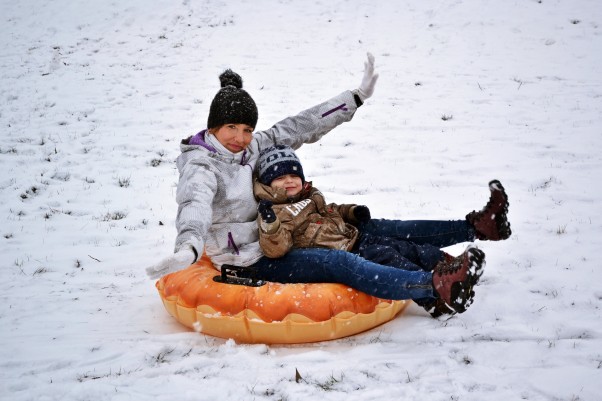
{"x": 216, "y": 208}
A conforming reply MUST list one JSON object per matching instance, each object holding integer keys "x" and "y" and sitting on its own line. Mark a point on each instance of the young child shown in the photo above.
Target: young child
{"x": 294, "y": 214}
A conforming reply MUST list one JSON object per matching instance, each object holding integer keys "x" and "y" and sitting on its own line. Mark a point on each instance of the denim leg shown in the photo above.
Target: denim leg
{"x": 385, "y": 255}
{"x": 319, "y": 265}
{"x": 434, "y": 232}
{"x": 398, "y": 253}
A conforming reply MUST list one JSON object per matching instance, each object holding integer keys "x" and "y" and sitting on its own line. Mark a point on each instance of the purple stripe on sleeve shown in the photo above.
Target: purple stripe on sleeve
{"x": 340, "y": 107}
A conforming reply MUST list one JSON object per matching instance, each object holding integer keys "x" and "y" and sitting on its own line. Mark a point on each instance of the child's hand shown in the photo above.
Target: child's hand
{"x": 361, "y": 213}
{"x": 265, "y": 210}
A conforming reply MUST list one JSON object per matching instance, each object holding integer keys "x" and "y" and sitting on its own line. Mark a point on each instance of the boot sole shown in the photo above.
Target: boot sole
{"x": 464, "y": 291}
{"x": 496, "y": 185}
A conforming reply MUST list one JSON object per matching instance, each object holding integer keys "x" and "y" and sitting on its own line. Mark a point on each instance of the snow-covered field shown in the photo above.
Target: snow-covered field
{"x": 95, "y": 96}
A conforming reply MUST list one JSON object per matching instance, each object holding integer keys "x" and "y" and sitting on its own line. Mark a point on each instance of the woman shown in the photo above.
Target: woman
{"x": 217, "y": 210}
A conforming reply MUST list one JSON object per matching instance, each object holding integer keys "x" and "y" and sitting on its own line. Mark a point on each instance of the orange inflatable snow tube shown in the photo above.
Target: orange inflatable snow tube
{"x": 273, "y": 313}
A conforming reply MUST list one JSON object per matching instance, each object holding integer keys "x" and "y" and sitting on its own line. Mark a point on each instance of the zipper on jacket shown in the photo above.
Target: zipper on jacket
{"x": 232, "y": 244}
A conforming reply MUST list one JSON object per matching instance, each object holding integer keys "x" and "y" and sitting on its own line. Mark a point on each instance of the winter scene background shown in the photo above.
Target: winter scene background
{"x": 95, "y": 97}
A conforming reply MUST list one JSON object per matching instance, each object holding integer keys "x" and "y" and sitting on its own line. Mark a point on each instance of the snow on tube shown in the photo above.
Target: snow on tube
{"x": 273, "y": 313}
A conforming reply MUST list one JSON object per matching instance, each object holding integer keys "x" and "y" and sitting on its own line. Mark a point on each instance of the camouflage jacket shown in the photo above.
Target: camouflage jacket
{"x": 305, "y": 221}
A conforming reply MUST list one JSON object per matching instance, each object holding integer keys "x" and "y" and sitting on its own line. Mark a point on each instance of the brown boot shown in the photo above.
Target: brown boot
{"x": 437, "y": 307}
{"x": 491, "y": 223}
{"x": 454, "y": 280}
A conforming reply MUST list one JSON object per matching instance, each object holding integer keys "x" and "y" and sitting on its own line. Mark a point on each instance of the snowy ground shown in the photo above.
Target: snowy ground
{"x": 95, "y": 96}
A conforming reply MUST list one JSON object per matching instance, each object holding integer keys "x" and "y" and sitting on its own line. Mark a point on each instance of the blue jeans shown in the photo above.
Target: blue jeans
{"x": 397, "y": 253}
{"x": 432, "y": 232}
{"x": 319, "y": 265}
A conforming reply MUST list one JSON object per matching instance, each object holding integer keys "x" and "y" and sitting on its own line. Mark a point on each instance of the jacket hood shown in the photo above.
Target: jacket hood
{"x": 199, "y": 142}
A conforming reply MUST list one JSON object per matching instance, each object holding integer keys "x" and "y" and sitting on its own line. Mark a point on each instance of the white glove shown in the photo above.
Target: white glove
{"x": 366, "y": 88}
{"x": 178, "y": 261}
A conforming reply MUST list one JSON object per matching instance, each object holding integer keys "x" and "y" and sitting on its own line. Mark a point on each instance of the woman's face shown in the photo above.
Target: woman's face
{"x": 234, "y": 137}
{"x": 290, "y": 182}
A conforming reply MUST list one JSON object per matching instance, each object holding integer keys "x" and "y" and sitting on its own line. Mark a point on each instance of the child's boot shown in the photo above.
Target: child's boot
{"x": 436, "y": 307}
{"x": 491, "y": 223}
{"x": 454, "y": 279}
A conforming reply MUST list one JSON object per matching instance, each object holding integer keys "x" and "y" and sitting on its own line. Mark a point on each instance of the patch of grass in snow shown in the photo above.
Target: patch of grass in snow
{"x": 29, "y": 192}
{"x": 330, "y": 383}
{"x": 40, "y": 270}
{"x": 273, "y": 393}
{"x": 19, "y": 263}
{"x": 519, "y": 81}
{"x": 118, "y": 215}
{"x": 161, "y": 357}
{"x": 123, "y": 182}
{"x": 12, "y": 150}
{"x": 544, "y": 185}
{"x": 61, "y": 176}
{"x": 378, "y": 338}
{"x": 94, "y": 376}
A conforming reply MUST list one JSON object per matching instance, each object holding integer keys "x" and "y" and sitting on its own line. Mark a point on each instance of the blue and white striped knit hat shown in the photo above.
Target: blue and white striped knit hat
{"x": 277, "y": 161}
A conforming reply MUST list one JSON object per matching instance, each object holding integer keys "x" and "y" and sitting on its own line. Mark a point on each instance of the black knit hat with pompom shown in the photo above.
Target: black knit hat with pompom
{"x": 232, "y": 104}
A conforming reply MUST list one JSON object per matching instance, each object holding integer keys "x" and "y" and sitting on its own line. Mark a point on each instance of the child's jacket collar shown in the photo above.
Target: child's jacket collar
{"x": 278, "y": 195}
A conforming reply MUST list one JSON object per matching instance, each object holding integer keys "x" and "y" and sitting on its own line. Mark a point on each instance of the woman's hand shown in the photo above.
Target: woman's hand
{"x": 366, "y": 88}
{"x": 178, "y": 261}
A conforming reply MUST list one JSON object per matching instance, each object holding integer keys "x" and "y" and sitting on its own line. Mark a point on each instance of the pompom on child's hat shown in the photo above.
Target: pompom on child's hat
{"x": 232, "y": 104}
{"x": 277, "y": 161}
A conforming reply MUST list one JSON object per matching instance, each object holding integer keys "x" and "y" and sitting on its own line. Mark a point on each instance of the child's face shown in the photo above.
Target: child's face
{"x": 234, "y": 137}
{"x": 292, "y": 183}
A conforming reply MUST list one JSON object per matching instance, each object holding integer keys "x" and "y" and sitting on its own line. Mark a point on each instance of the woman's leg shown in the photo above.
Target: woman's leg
{"x": 434, "y": 232}
{"x": 319, "y": 265}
